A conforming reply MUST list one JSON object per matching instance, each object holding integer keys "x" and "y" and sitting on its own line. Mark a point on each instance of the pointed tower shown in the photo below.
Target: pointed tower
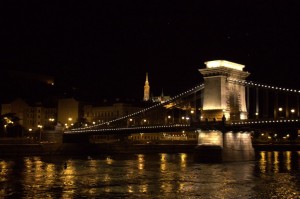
{"x": 146, "y": 89}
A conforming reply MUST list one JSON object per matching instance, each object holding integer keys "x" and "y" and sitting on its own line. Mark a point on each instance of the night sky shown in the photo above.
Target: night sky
{"x": 105, "y": 48}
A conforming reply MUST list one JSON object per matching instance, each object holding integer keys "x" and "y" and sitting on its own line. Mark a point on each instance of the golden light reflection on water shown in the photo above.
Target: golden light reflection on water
{"x": 141, "y": 161}
{"x": 34, "y": 172}
{"x": 166, "y": 187}
{"x": 150, "y": 176}
{"x": 288, "y": 160}
{"x": 143, "y": 188}
{"x": 163, "y": 162}
{"x": 183, "y": 157}
{"x": 106, "y": 178}
{"x": 50, "y": 173}
{"x": 69, "y": 174}
{"x": 130, "y": 189}
{"x": 181, "y": 187}
{"x": 3, "y": 171}
{"x": 68, "y": 179}
{"x": 275, "y": 161}
{"x": 109, "y": 160}
{"x": 262, "y": 162}
{"x": 107, "y": 190}
{"x": 3, "y": 166}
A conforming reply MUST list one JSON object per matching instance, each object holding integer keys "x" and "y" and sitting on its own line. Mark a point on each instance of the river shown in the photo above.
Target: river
{"x": 271, "y": 175}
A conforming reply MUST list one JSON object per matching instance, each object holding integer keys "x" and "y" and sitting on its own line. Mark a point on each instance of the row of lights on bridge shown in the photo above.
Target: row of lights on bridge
{"x": 264, "y": 86}
{"x": 264, "y": 121}
{"x": 143, "y": 110}
{"x": 132, "y": 128}
{"x": 280, "y": 109}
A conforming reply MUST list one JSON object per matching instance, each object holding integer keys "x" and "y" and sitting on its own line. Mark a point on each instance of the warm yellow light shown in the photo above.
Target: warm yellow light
{"x": 169, "y": 116}
{"x": 293, "y": 110}
{"x": 70, "y": 119}
{"x": 223, "y": 63}
{"x": 280, "y": 109}
{"x": 29, "y": 129}
{"x": 192, "y": 111}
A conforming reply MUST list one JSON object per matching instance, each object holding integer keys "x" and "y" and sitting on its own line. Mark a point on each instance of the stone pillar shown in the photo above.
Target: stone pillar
{"x": 224, "y": 91}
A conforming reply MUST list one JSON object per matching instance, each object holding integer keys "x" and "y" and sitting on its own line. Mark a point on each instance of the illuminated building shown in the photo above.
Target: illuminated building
{"x": 31, "y": 116}
{"x": 221, "y": 96}
{"x": 68, "y": 111}
{"x": 100, "y": 114}
{"x": 162, "y": 98}
{"x": 18, "y": 106}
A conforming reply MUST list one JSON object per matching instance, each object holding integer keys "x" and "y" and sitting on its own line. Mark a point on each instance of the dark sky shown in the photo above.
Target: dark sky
{"x": 106, "y": 47}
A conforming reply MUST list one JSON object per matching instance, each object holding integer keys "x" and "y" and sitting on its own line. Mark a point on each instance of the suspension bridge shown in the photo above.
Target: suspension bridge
{"x": 225, "y": 100}
{"x": 218, "y": 116}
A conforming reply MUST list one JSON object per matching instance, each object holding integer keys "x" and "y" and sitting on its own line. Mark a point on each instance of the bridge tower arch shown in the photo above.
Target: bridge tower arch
{"x": 222, "y": 96}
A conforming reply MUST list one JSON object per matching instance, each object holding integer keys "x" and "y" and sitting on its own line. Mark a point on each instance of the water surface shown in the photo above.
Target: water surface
{"x": 270, "y": 175}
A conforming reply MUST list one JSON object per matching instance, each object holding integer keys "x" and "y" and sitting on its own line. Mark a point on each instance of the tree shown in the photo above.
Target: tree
{"x": 9, "y": 124}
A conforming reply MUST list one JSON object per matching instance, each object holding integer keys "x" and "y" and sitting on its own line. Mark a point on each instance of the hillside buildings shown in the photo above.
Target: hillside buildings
{"x": 67, "y": 112}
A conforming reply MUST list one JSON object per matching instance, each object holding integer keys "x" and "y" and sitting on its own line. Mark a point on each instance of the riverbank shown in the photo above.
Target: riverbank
{"x": 26, "y": 147}
{"x": 91, "y": 149}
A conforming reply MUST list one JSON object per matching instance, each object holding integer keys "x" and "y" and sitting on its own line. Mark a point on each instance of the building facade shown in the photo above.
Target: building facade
{"x": 102, "y": 114}
{"x": 68, "y": 111}
{"x": 32, "y": 117}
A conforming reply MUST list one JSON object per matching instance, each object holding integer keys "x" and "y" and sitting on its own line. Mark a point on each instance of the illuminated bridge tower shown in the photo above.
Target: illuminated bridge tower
{"x": 222, "y": 96}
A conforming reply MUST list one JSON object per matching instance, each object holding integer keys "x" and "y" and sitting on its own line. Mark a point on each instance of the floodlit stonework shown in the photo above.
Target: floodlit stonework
{"x": 221, "y": 96}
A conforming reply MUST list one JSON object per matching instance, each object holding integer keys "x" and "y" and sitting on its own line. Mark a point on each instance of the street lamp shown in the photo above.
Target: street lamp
{"x": 168, "y": 119}
{"x": 40, "y": 131}
{"x": 280, "y": 110}
{"x": 292, "y": 111}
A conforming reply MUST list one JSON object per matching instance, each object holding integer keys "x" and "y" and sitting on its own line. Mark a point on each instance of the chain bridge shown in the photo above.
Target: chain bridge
{"x": 224, "y": 101}
{"x": 220, "y": 116}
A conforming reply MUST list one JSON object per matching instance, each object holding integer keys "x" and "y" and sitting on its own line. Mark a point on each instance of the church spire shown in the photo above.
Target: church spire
{"x": 146, "y": 89}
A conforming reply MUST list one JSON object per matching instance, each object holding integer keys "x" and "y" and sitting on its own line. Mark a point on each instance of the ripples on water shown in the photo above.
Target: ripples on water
{"x": 271, "y": 175}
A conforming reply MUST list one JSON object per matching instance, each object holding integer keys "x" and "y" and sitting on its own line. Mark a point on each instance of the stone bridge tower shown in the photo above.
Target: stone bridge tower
{"x": 221, "y": 96}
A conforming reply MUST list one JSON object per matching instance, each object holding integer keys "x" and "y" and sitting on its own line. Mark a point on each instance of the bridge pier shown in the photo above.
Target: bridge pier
{"x": 210, "y": 146}
{"x": 217, "y": 146}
